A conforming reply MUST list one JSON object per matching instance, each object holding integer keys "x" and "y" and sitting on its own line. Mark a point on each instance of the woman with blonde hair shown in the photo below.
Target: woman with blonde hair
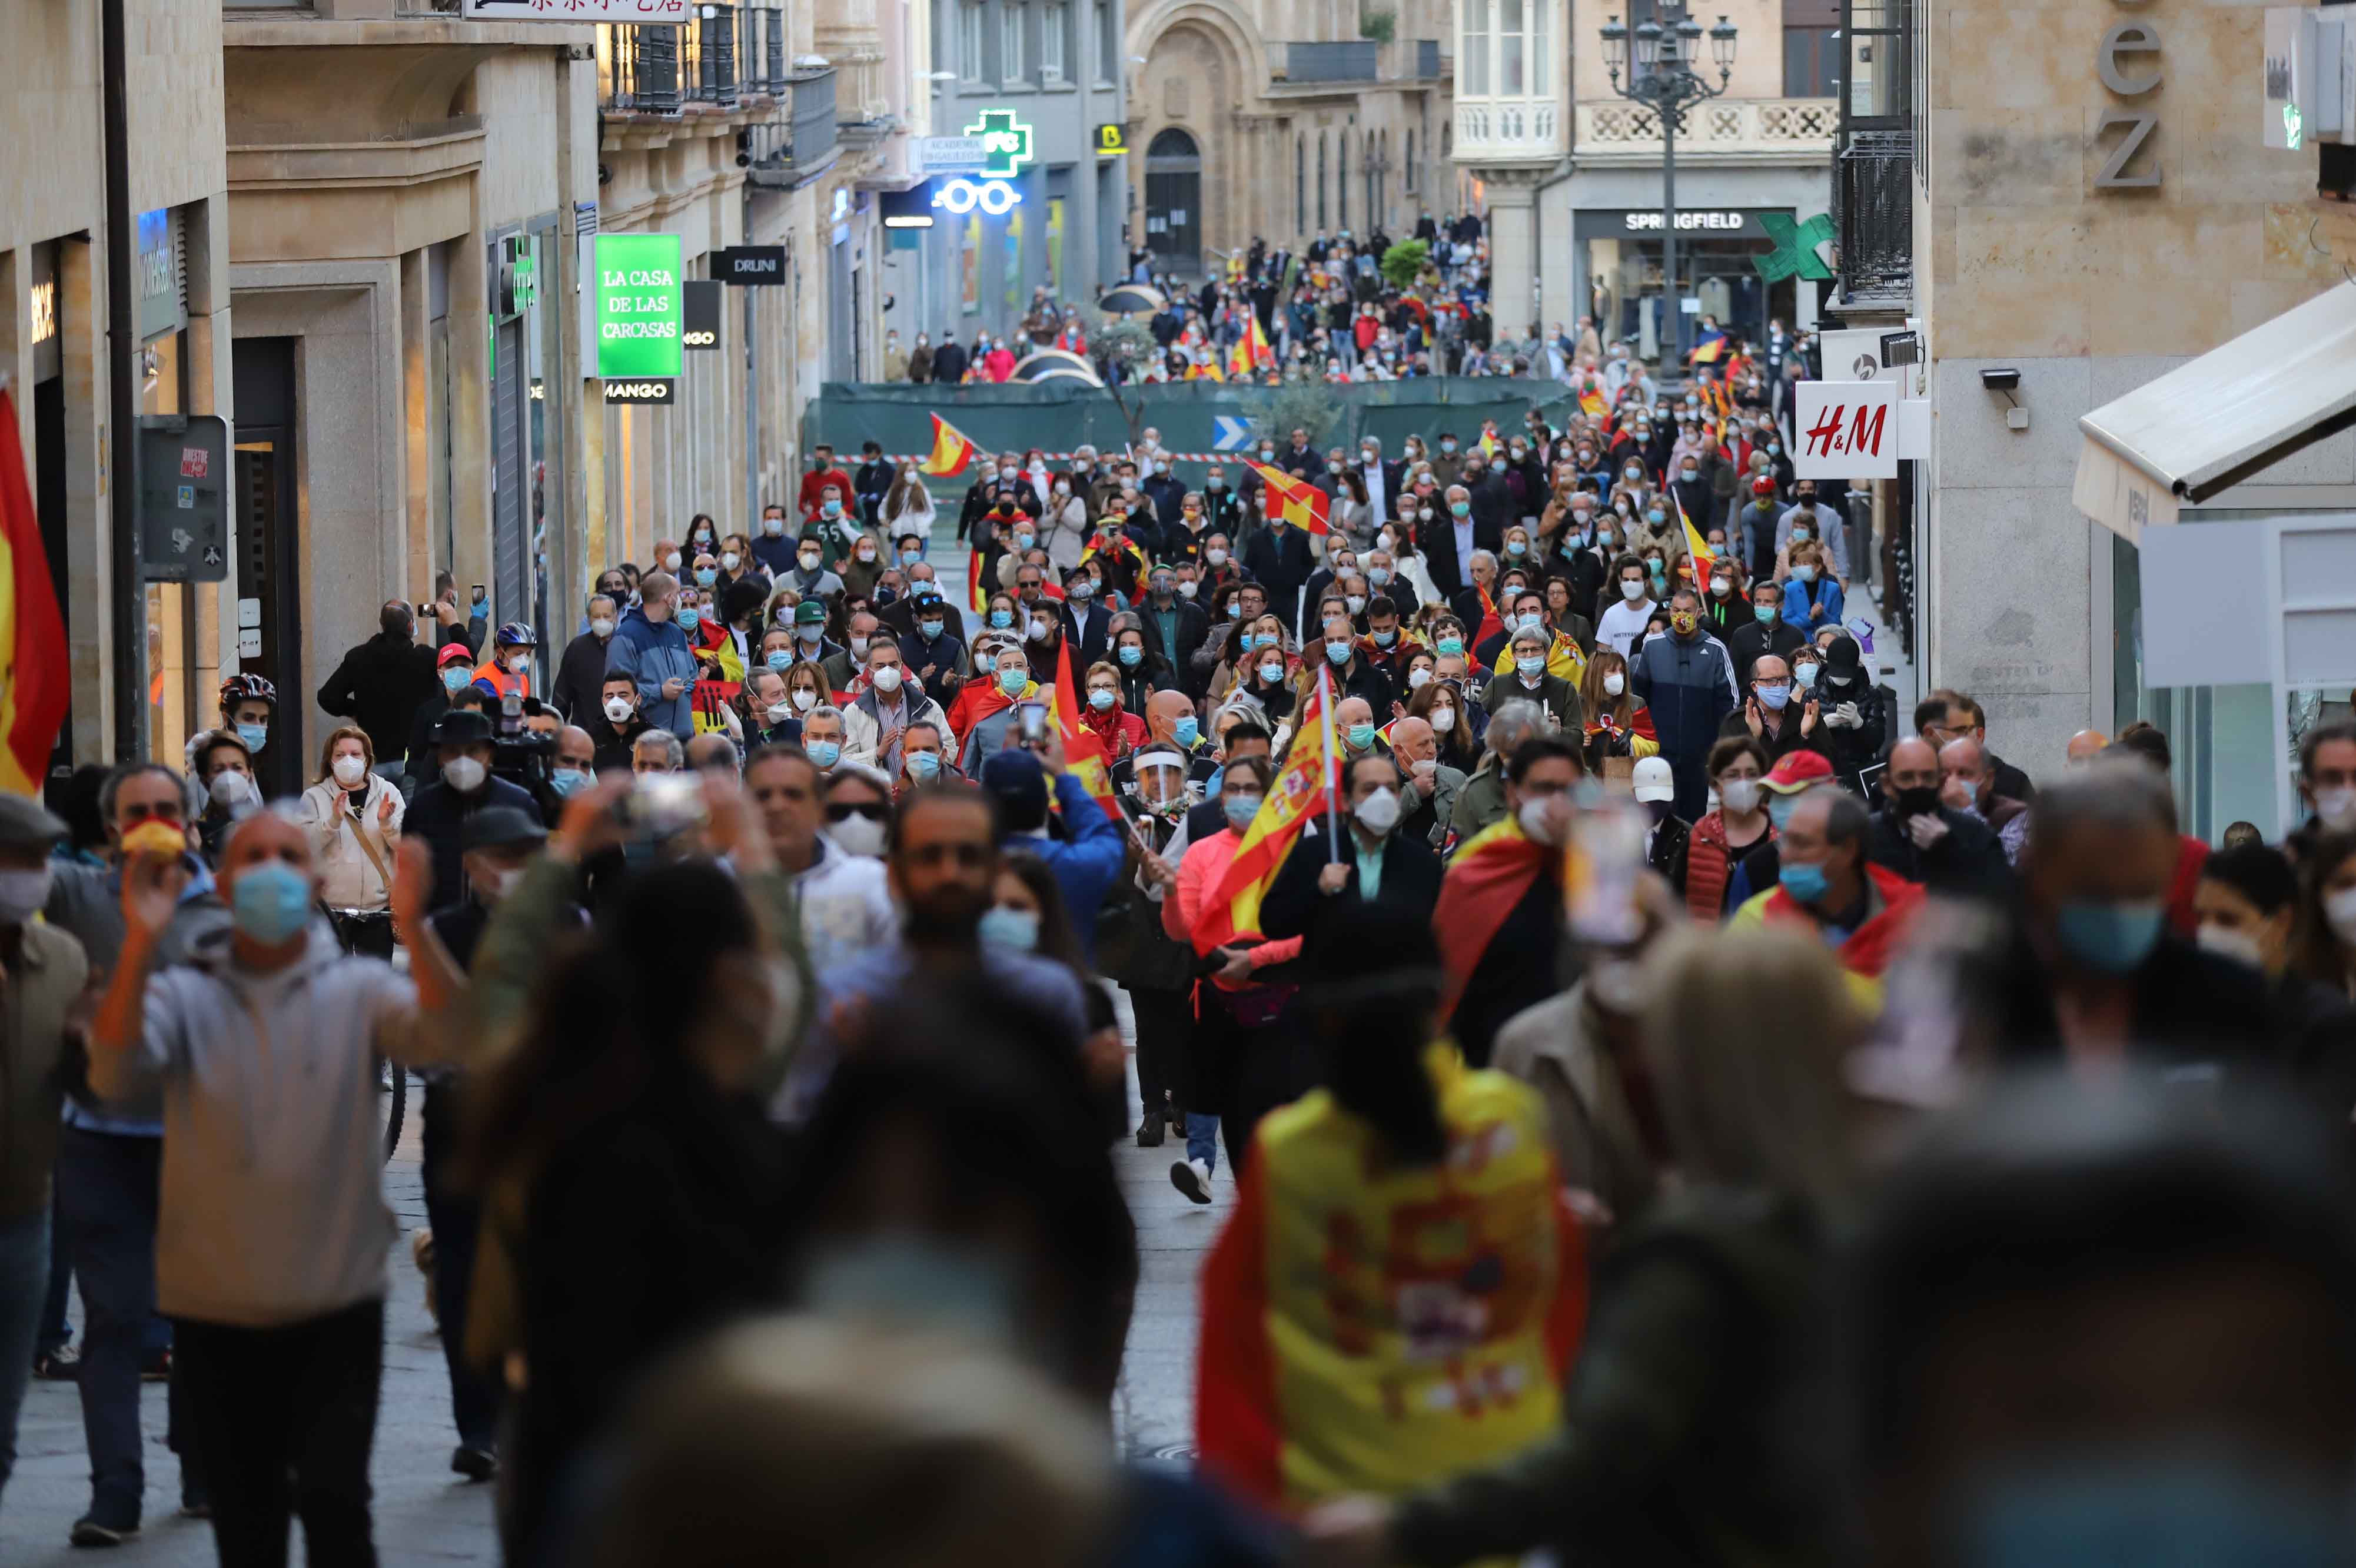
{"x": 353, "y": 817}
{"x": 1685, "y": 1437}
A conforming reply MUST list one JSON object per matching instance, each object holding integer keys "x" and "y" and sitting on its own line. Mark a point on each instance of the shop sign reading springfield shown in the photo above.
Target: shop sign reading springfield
{"x": 638, "y": 313}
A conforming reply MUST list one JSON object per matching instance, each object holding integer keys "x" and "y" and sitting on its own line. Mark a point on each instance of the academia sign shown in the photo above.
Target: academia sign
{"x": 640, "y": 312}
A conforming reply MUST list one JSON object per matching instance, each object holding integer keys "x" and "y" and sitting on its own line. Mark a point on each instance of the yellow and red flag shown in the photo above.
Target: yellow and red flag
{"x": 34, "y": 669}
{"x": 1084, "y": 754}
{"x": 1591, "y": 403}
{"x": 977, "y": 593}
{"x": 1304, "y": 786}
{"x": 1491, "y": 622}
{"x": 1251, "y": 351}
{"x": 952, "y": 450}
{"x": 1483, "y": 883}
{"x": 1296, "y": 501}
{"x": 1489, "y": 444}
{"x": 1704, "y": 558}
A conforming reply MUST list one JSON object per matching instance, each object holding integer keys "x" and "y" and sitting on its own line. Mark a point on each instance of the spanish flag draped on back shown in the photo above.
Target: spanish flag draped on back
{"x": 1302, "y": 787}
{"x": 34, "y": 672}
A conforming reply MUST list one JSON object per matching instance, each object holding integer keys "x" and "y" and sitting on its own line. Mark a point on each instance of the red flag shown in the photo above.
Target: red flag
{"x": 1084, "y": 754}
{"x": 34, "y": 667}
{"x": 1294, "y": 501}
{"x": 1491, "y": 621}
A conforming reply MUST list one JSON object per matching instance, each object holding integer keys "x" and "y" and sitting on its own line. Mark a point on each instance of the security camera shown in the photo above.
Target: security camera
{"x": 2000, "y": 380}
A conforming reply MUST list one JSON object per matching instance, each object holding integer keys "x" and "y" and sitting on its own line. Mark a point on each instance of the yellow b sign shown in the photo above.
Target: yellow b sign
{"x": 1111, "y": 141}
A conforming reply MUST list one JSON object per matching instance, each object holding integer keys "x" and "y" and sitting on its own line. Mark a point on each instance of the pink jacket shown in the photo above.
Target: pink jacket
{"x": 1199, "y": 873}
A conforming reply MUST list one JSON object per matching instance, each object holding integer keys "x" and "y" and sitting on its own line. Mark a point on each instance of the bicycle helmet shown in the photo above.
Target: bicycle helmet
{"x": 515, "y": 634}
{"x": 241, "y": 688}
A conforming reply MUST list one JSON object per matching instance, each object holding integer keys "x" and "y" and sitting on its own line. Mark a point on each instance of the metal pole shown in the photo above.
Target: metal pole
{"x": 129, "y": 602}
{"x": 1676, "y": 302}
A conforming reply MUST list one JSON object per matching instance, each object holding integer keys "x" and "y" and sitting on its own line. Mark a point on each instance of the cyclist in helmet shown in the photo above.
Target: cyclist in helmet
{"x": 509, "y": 669}
{"x": 248, "y": 705}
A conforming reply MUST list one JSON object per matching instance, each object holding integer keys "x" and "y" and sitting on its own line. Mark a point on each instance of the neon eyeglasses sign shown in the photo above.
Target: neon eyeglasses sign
{"x": 995, "y": 197}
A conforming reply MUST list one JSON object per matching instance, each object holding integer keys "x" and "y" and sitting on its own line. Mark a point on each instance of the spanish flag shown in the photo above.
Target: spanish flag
{"x": 1304, "y": 786}
{"x": 951, "y": 451}
{"x": 1251, "y": 350}
{"x": 1704, "y": 558}
{"x": 976, "y": 592}
{"x": 1084, "y": 755}
{"x": 1489, "y": 444}
{"x": 1483, "y": 883}
{"x": 1709, "y": 353}
{"x": 1204, "y": 370}
{"x": 1591, "y": 403}
{"x": 1294, "y": 501}
{"x": 34, "y": 690}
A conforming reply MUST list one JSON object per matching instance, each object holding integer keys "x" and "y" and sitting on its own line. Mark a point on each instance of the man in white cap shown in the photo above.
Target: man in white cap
{"x": 1656, "y": 794}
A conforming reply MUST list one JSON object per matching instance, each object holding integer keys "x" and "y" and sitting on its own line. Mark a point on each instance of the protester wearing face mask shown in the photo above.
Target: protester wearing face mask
{"x": 1916, "y": 834}
{"x": 1828, "y": 887}
{"x": 2248, "y": 905}
{"x": 1319, "y": 882}
{"x": 1780, "y": 718}
{"x": 1808, "y": 521}
{"x": 354, "y": 819}
{"x": 2326, "y": 950}
{"x": 657, "y": 656}
{"x": 2326, "y": 785}
{"x": 989, "y": 709}
{"x": 462, "y": 742}
{"x": 1500, "y": 910}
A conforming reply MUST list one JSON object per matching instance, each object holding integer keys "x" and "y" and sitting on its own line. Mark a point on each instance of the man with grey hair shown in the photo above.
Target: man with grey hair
{"x": 2096, "y": 976}
{"x": 1481, "y": 801}
{"x": 1860, "y": 910}
{"x": 581, "y": 673}
{"x": 657, "y": 751}
{"x": 711, "y": 753}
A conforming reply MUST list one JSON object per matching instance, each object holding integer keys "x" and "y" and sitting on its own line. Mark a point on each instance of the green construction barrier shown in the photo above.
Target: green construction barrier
{"x": 1061, "y": 415}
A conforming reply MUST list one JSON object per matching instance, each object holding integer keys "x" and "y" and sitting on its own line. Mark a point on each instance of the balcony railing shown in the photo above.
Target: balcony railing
{"x": 1508, "y": 128}
{"x": 637, "y": 69}
{"x": 1873, "y": 207}
{"x": 1353, "y": 60}
{"x": 1755, "y": 128}
{"x": 790, "y": 152}
{"x": 708, "y": 55}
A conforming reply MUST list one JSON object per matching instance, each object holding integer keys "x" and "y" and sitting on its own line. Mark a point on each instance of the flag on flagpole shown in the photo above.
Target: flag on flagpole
{"x": 34, "y": 668}
{"x": 977, "y": 594}
{"x": 1491, "y": 622}
{"x": 1294, "y": 501}
{"x": 1302, "y": 787}
{"x": 1489, "y": 444}
{"x": 951, "y": 451}
{"x": 1251, "y": 351}
{"x": 1084, "y": 754}
{"x": 1705, "y": 559}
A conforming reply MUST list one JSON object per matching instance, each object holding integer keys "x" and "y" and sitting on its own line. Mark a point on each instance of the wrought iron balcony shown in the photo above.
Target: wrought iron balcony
{"x": 708, "y": 55}
{"x": 1873, "y": 207}
{"x": 637, "y": 69}
{"x": 791, "y": 152}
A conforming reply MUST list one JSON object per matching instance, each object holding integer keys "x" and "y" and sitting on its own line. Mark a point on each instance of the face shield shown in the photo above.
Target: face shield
{"x": 1162, "y": 783}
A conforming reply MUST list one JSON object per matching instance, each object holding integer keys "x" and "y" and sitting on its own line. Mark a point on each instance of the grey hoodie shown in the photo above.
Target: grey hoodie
{"x": 273, "y": 1207}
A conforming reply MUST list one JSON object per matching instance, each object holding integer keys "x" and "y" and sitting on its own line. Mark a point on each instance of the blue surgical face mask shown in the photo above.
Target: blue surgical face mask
{"x": 690, "y": 617}
{"x": 1012, "y": 681}
{"x": 1803, "y": 882}
{"x": 705, "y": 576}
{"x": 2112, "y": 937}
{"x": 1361, "y": 735}
{"x": 825, "y": 752}
{"x": 1234, "y": 611}
{"x": 931, "y": 629}
{"x": 1774, "y": 696}
{"x": 1131, "y": 657}
{"x": 1779, "y": 810}
{"x": 568, "y": 781}
{"x": 1531, "y": 664}
{"x": 1240, "y": 809}
{"x": 832, "y": 509}
{"x": 270, "y": 902}
{"x": 1515, "y": 547}
{"x": 1337, "y": 650}
{"x": 1386, "y": 638}
{"x": 1459, "y": 508}
{"x": 1102, "y": 701}
{"x": 1002, "y": 619}
{"x": 1804, "y": 572}
{"x": 1008, "y": 930}
{"x": 923, "y": 766}
{"x": 255, "y": 737}
{"x": 1804, "y": 675}
{"x": 1530, "y": 622}
{"x": 780, "y": 659}
{"x": 1186, "y": 732}
{"x": 455, "y": 676}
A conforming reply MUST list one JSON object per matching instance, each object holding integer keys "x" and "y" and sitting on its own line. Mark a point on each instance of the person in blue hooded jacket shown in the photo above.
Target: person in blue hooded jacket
{"x": 1089, "y": 855}
{"x": 1687, "y": 680}
{"x": 1812, "y": 596}
{"x": 649, "y": 647}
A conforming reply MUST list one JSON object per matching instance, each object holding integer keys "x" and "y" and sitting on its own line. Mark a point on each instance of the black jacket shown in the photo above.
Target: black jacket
{"x": 1193, "y": 624}
{"x": 1280, "y": 560}
{"x": 1967, "y": 864}
{"x": 2010, "y": 781}
{"x": 1781, "y": 743}
{"x": 378, "y": 687}
{"x": 2190, "y": 1007}
{"x": 1294, "y": 907}
{"x": 948, "y": 364}
{"x": 1751, "y": 643}
{"x": 580, "y": 678}
{"x": 1087, "y": 630}
{"x": 1436, "y": 541}
{"x": 439, "y": 814}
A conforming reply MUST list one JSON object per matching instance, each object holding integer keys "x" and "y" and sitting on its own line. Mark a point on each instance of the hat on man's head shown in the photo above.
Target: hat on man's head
{"x": 1654, "y": 782}
{"x": 809, "y": 612}
{"x": 461, "y": 726}
{"x": 1019, "y": 779}
{"x": 497, "y": 827}
{"x": 453, "y": 653}
{"x": 1796, "y": 770}
{"x": 25, "y": 824}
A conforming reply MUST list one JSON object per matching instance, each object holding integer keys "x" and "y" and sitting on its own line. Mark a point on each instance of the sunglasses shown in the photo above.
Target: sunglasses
{"x": 843, "y": 812}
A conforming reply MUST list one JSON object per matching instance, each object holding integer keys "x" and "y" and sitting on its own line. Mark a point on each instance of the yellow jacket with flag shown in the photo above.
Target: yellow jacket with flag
{"x": 1374, "y": 1327}
{"x": 1563, "y": 659}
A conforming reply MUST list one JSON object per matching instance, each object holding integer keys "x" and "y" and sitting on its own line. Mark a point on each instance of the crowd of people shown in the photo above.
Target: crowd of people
{"x": 1678, "y": 1102}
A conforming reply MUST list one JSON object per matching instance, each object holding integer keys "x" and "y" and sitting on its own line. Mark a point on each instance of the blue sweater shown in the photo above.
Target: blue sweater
{"x": 1800, "y": 598}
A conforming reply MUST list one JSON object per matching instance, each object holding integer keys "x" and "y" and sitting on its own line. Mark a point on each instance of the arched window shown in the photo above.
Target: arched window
{"x": 1321, "y": 179}
{"x": 1300, "y": 181}
{"x": 1342, "y": 183}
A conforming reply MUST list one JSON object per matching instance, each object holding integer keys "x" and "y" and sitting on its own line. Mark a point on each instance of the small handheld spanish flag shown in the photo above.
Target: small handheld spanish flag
{"x": 951, "y": 451}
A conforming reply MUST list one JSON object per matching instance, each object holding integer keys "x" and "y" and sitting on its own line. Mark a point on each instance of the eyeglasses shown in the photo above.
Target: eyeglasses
{"x": 133, "y": 812}
{"x": 843, "y": 811}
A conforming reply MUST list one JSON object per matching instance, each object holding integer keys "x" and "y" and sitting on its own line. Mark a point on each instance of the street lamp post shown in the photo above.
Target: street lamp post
{"x": 1664, "y": 78}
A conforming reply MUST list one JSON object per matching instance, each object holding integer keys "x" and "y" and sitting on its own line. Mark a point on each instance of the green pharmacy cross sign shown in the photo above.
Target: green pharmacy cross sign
{"x": 1005, "y": 143}
{"x": 1794, "y": 255}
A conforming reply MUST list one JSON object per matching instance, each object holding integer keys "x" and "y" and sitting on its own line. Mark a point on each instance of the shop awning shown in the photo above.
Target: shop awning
{"x": 2231, "y": 413}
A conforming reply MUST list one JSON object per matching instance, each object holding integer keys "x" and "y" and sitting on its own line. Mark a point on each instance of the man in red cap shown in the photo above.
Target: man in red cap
{"x": 1792, "y": 778}
{"x": 1755, "y": 528}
